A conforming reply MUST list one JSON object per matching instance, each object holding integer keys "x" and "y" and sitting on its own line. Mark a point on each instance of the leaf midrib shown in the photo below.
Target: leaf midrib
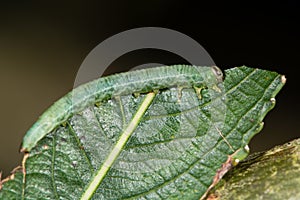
{"x": 97, "y": 179}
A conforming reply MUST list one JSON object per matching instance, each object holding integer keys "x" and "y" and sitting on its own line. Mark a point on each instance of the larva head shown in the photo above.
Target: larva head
{"x": 218, "y": 73}
{"x": 211, "y": 76}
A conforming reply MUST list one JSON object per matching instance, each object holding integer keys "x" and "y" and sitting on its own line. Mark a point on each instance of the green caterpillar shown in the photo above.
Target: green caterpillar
{"x": 141, "y": 81}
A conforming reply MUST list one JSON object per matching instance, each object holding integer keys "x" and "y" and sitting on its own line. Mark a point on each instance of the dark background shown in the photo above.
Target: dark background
{"x": 43, "y": 44}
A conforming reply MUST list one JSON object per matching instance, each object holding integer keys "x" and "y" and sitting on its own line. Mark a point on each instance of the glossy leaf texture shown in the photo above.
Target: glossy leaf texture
{"x": 175, "y": 151}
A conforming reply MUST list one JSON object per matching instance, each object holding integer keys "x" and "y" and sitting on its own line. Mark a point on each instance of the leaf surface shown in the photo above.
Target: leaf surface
{"x": 171, "y": 144}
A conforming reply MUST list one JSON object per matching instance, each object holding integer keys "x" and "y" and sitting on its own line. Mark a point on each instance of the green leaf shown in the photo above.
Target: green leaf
{"x": 168, "y": 144}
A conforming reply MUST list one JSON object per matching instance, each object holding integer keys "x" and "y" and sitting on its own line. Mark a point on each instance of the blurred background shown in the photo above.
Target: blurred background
{"x": 42, "y": 45}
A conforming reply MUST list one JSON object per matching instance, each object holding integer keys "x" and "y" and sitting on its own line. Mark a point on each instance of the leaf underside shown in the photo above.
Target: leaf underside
{"x": 178, "y": 146}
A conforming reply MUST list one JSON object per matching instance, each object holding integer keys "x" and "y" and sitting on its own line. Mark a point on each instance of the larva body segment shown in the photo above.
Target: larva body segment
{"x": 102, "y": 89}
